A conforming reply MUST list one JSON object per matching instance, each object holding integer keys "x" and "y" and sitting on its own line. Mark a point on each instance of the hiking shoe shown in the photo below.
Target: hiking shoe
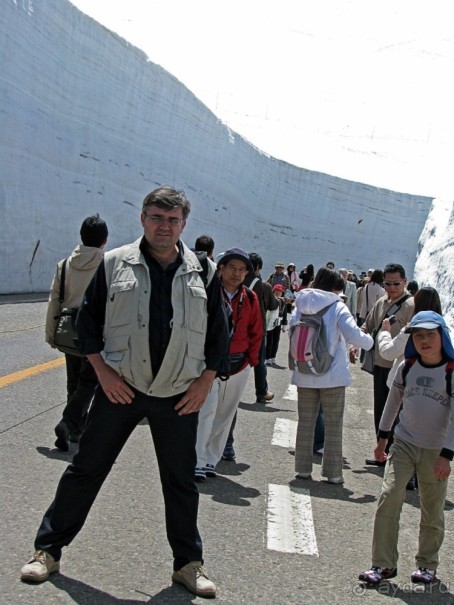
{"x": 376, "y": 574}
{"x": 268, "y": 396}
{"x": 335, "y": 480}
{"x": 200, "y": 474}
{"x": 210, "y": 470}
{"x": 38, "y": 569}
{"x": 423, "y": 575}
{"x": 62, "y": 432}
{"x": 303, "y": 476}
{"x": 195, "y": 579}
{"x": 229, "y": 453}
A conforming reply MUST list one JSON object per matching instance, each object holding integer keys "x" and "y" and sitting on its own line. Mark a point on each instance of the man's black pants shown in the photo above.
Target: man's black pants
{"x": 380, "y": 395}
{"x": 107, "y": 430}
{"x": 81, "y": 381}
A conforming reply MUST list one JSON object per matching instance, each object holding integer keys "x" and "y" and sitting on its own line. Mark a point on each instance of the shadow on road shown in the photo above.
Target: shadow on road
{"x": 84, "y": 594}
{"x": 226, "y": 491}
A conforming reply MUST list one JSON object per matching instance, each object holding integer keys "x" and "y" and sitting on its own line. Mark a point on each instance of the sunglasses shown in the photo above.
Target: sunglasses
{"x": 392, "y": 283}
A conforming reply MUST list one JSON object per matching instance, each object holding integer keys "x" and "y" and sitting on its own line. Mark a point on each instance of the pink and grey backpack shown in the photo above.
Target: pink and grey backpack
{"x": 309, "y": 347}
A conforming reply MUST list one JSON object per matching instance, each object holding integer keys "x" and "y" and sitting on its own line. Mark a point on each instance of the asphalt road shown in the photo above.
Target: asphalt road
{"x": 121, "y": 557}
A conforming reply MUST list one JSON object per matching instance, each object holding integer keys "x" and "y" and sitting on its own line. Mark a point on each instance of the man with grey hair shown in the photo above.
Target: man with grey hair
{"x": 156, "y": 336}
{"x": 349, "y": 292}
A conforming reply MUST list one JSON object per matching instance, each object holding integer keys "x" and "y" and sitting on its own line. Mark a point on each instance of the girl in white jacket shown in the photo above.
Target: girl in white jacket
{"x": 326, "y": 390}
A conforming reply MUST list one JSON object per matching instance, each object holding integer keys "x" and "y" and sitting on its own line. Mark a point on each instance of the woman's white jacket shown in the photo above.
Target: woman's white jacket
{"x": 392, "y": 349}
{"x": 341, "y": 329}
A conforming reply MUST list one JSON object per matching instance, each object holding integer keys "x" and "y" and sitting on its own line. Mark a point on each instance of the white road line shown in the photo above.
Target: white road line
{"x": 284, "y": 434}
{"x": 291, "y": 393}
{"x": 290, "y": 525}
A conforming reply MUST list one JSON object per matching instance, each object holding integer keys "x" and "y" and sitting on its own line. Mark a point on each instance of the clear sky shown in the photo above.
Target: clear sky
{"x": 361, "y": 89}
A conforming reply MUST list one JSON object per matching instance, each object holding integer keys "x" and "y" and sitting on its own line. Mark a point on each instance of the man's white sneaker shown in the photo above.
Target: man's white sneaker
{"x": 194, "y": 578}
{"x": 39, "y": 568}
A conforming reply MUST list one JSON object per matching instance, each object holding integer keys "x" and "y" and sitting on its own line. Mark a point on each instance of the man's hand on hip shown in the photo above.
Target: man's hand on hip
{"x": 113, "y": 385}
{"x": 196, "y": 394}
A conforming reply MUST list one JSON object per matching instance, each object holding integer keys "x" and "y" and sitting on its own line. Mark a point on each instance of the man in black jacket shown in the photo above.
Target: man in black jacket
{"x": 267, "y": 302}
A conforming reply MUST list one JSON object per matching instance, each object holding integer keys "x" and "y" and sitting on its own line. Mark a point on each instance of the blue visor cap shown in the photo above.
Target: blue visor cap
{"x": 429, "y": 320}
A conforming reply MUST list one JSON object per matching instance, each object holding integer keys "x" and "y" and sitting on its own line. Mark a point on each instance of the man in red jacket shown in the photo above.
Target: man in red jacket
{"x": 215, "y": 419}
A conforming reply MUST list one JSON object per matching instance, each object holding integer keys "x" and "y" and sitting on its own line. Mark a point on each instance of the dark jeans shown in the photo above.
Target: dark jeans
{"x": 81, "y": 382}
{"x": 380, "y": 395}
{"x": 272, "y": 342}
{"x": 107, "y": 430}
{"x": 319, "y": 432}
{"x": 261, "y": 385}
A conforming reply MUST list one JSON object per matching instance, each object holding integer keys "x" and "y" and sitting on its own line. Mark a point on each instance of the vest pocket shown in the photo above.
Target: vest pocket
{"x": 193, "y": 365}
{"x": 197, "y": 316}
{"x": 117, "y": 355}
{"x": 121, "y": 302}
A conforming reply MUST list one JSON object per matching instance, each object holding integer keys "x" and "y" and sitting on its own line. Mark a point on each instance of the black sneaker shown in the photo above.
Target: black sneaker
{"x": 210, "y": 470}
{"x": 229, "y": 453}
{"x": 200, "y": 474}
{"x": 62, "y": 432}
{"x": 376, "y": 574}
{"x": 373, "y": 462}
{"x": 423, "y": 575}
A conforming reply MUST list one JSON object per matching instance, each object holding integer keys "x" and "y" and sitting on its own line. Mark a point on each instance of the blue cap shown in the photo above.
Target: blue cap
{"x": 235, "y": 254}
{"x": 429, "y": 320}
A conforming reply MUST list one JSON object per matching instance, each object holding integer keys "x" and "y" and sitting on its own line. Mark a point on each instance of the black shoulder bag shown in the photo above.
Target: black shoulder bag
{"x": 65, "y": 336}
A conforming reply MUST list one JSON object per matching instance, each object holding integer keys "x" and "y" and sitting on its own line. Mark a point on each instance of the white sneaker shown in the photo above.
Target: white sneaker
{"x": 39, "y": 568}
{"x": 335, "y": 480}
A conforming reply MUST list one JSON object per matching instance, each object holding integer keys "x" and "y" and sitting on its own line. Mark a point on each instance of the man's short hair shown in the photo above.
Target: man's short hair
{"x": 93, "y": 231}
{"x": 167, "y": 198}
{"x": 394, "y": 268}
{"x": 256, "y": 260}
{"x": 204, "y": 243}
{"x": 330, "y": 262}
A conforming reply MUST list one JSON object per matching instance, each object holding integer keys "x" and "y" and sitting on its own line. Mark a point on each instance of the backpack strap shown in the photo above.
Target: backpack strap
{"x": 249, "y": 293}
{"x": 449, "y": 370}
{"x": 409, "y": 363}
{"x": 62, "y": 281}
{"x": 322, "y": 312}
{"x": 253, "y": 282}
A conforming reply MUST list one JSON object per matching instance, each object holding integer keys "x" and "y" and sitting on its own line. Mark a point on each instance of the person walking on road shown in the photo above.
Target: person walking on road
{"x": 325, "y": 390}
{"x": 396, "y": 302}
{"x": 156, "y": 337}
{"x": 422, "y": 396}
{"x": 216, "y": 416}
{"x": 81, "y": 379}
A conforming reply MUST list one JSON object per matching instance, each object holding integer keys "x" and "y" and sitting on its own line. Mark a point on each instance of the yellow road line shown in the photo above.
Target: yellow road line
{"x": 22, "y": 374}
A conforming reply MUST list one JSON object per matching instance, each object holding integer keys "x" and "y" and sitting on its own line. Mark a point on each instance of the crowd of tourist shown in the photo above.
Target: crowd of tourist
{"x": 171, "y": 334}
